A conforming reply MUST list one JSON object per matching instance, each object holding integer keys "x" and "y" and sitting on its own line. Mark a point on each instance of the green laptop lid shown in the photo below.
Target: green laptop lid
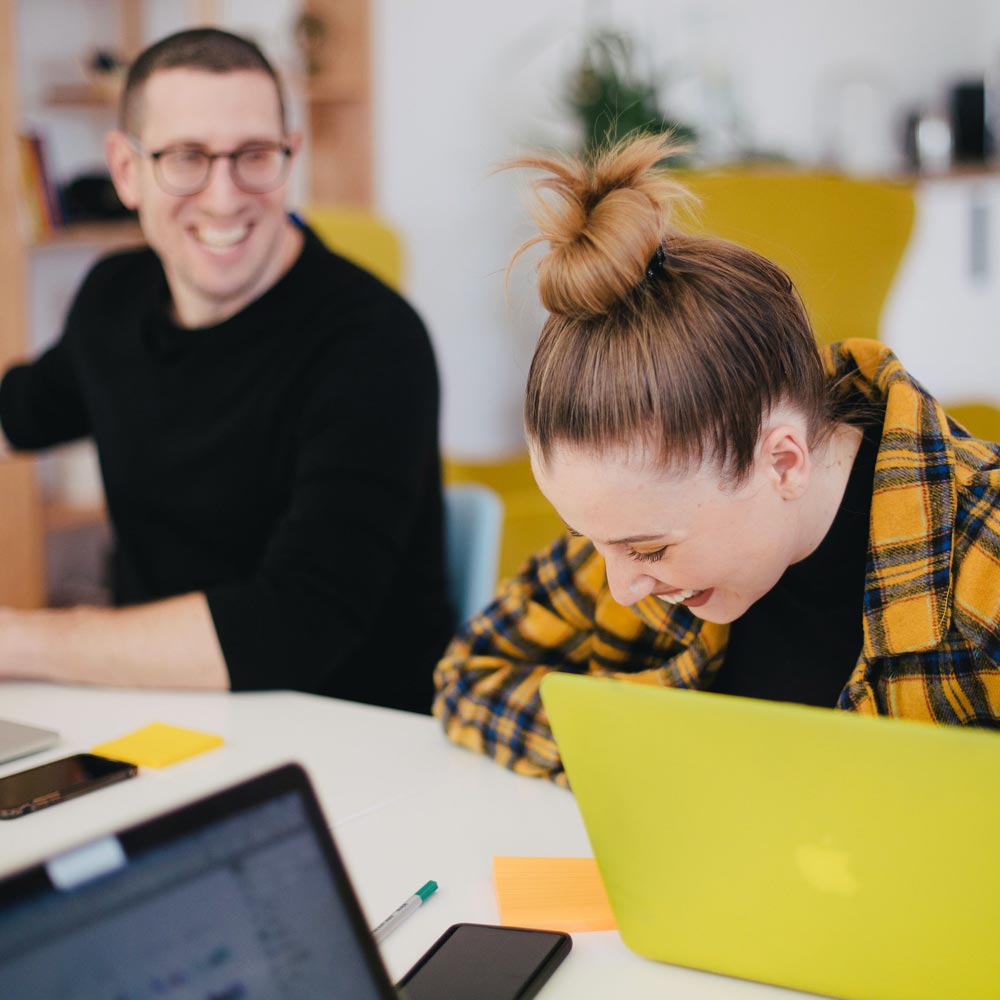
{"x": 805, "y": 847}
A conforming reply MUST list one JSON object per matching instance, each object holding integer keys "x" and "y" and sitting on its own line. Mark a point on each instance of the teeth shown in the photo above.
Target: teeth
{"x": 678, "y": 596}
{"x": 221, "y": 239}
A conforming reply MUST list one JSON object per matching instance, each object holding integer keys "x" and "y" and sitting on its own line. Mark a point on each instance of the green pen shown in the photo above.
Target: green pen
{"x": 404, "y": 909}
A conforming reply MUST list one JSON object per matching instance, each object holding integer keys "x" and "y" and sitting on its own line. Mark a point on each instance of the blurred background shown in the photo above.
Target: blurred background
{"x": 851, "y": 140}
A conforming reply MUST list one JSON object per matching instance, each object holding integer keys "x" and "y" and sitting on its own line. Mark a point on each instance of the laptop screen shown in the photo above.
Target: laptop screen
{"x": 208, "y": 902}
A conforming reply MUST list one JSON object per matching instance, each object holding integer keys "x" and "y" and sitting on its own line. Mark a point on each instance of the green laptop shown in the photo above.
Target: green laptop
{"x": 848, "y": 856}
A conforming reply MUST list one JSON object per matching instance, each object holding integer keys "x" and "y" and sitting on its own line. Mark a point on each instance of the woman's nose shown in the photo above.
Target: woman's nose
{"x": 626, "y": 581}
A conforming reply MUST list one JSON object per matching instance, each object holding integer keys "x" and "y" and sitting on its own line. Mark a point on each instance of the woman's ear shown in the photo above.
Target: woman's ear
{"x": 784, "y": 453}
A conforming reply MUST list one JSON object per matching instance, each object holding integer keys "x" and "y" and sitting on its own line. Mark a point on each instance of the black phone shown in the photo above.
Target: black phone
{"x": 47, "y": 784}
{"x": 485, "y": 962}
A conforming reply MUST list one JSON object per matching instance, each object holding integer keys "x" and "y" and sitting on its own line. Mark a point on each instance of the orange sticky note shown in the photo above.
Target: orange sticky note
{"x": 158, "y": 745}
{"x": 556, "y": 894}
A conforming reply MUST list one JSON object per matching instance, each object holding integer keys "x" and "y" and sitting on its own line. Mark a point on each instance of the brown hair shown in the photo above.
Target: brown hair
{"x": 683, "y": 342}
{"x": 197, "y": 48}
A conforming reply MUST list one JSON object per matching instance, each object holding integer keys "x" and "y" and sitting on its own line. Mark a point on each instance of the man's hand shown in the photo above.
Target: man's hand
{"x": 168, "y": 644}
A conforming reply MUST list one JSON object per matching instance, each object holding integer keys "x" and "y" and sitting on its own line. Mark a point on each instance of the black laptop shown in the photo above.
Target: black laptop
{"x": 238, "y": 895}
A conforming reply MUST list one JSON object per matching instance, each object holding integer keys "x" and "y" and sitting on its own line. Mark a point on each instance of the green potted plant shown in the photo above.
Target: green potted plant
{"x": 610, "y": 98}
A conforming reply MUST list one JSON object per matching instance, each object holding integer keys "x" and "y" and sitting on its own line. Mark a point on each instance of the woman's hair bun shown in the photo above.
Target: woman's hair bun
{"x": 603, "y": 218}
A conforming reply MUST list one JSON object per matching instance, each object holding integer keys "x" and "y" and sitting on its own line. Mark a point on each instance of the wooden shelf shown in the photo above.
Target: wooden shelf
{"x": 111, "y": 235}
{"x": 60, "y": 515}
{"x": 84, "y": 95}
{"x": 335, "y": 95}
{"x": 957, "y": 171}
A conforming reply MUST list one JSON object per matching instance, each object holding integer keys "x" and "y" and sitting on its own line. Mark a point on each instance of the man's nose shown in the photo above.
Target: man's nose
{"x": 221, "y": 191}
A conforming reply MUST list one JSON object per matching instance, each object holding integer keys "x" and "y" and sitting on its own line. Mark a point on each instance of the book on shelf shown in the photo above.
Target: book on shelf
{"x": 53, "y": 202}
{"x": 41, "y": 207}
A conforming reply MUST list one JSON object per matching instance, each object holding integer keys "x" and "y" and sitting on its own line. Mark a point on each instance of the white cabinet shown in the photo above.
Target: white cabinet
{"x": 942, "y": 317}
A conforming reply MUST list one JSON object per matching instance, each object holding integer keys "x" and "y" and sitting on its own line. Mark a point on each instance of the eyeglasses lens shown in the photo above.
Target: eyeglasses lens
{"x": 255, "y": 169}
{"x": 259, "y": 168}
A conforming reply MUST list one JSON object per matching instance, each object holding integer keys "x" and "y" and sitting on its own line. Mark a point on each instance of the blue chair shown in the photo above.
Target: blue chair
{"x": 473, "y": 517}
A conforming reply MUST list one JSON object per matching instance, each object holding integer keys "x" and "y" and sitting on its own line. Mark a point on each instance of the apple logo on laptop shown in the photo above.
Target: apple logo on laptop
{"x": 826, "y": 868}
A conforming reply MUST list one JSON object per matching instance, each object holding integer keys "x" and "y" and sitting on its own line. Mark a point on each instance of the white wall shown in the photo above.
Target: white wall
{"x": 942, "y": 317}
{"x": 460, "y": 86}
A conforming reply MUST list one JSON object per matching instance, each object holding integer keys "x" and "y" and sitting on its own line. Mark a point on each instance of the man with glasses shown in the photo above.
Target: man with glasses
{"x": 265, "y": 415}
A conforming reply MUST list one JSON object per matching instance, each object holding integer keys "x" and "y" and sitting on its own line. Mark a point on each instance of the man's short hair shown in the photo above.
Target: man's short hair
{"x": 207, "y": 49}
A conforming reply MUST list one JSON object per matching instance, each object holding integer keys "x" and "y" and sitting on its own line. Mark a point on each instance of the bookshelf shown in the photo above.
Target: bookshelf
{"x": 336, "y": 102}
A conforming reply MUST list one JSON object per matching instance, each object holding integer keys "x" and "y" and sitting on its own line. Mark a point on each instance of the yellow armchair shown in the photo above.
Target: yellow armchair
{"x": 840, "y": 239}
{"x": 361, "y": 237}
{"x": 982, "y": 420}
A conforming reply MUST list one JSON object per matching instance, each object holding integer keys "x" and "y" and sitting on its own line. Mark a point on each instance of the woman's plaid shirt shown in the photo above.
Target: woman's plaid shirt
{"x": 931, "y": 608}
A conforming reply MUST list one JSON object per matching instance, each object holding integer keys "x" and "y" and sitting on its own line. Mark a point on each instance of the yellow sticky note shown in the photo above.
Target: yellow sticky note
{"x": 158, "y": 745}
{"x": 557, "y": 894}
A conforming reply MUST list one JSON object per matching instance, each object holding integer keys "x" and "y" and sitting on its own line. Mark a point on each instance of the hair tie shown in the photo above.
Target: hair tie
{"x": 656, "y": 263}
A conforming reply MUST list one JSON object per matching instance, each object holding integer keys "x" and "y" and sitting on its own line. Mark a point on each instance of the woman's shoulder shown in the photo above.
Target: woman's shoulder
{"x": 976, "y": 552}
{"x": 977, "y": 478}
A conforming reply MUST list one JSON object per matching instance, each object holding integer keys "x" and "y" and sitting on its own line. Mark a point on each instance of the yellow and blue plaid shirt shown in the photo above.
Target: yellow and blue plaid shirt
{"x": 931, "y": 606}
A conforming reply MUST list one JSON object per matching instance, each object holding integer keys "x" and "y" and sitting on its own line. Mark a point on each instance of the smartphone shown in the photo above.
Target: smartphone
{"x": 485, "y": 962}
{"x": 47, "y": 784}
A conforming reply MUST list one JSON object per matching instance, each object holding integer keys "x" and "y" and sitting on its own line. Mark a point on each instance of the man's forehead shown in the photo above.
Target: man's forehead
{"x": 191, "y": 105}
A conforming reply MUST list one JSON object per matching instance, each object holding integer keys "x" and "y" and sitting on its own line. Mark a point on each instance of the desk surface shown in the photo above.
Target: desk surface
{"x": 405, "y": 806}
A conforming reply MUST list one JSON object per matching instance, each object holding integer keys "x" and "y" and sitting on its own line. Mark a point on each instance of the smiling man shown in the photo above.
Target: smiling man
{"x": 265, "y": 414}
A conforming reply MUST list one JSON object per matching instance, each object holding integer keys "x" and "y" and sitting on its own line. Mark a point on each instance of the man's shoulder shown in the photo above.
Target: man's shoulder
{"x": 121, "y": 285}
{"x": 128, "y": 270}
{"x": 131, "y": 259}
{"x": 353, "y": 292}
{"x": 353, "y": 312}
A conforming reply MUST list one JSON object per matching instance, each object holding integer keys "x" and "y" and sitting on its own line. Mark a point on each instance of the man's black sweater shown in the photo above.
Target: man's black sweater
{"x": 285, "y": 462}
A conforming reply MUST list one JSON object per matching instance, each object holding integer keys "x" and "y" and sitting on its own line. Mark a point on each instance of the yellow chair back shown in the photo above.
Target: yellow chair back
{"x": 980, "y": 419}
{"x": 840, "y": 239}
{"x": 361, "y": 237}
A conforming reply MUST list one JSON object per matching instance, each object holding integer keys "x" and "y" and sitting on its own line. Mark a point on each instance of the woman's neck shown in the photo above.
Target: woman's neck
{"x": 832, "y": 463}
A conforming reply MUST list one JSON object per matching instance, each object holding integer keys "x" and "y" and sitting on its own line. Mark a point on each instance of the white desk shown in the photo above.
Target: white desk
{"x": 405, "y": 806}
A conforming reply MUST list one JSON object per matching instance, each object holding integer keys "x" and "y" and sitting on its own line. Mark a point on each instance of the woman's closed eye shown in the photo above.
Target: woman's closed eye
{"x": 654, "y": 556}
